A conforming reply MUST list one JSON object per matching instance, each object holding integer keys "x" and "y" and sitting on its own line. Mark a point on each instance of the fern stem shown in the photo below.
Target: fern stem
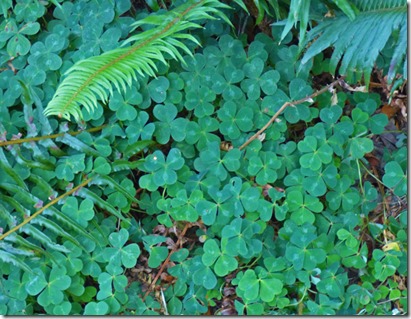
{"x": 40, "y": 138}
{"x": 54, "y": 201}
{"x": 125, "y": 55}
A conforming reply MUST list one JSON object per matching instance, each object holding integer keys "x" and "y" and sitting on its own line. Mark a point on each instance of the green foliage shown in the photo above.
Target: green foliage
{"x": 355, "y": 52}
{"x": 358, "y": 43}
{"x": 154, "y": 179}
{"x": 116, "y": 68}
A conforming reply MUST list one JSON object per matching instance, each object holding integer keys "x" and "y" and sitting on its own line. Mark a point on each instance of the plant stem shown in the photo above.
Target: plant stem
{"x": 39, "y": 138}
{"x": 54, "y": 201}
{"x": 283, "y": 107}
{"x": 150, "y": 288}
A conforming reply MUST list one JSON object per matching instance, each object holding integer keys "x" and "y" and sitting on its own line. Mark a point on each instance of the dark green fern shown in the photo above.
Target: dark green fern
{"x": 358, "y": 43}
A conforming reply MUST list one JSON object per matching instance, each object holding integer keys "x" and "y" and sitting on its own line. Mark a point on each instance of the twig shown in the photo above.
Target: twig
{"x": 284, "y": 106}
{"x": 54, "y": 201}
{"x": 39, "y": 138}
{"x": 150, "y": 288}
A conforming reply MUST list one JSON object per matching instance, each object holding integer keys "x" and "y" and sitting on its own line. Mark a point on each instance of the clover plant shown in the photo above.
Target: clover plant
{"x": 194, "y": 167}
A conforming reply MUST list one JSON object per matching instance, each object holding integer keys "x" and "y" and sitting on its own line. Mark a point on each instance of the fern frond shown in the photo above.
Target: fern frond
{"x": 94, "y": 78}
{"x": 11, "y": 258}
{"x": 299, "y": 12}
{"x": 6, "y": 167}
{"x": 15, "y": 251}
{"x": 346, "y": 7}
{"x": 100, "y": 202}
{"x": 68, "y": 222}
{"x": 55, "y": 228}
{"x": 23, "y": 243}
{"x": 375, "y": 5}
{"x": 358, "y": 43}
{"x": 43, "y": 238}
{"x": 6, "y": 217}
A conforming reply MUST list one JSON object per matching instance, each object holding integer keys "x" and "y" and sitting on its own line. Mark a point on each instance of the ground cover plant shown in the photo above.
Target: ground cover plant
{"x": 203, "y": 157}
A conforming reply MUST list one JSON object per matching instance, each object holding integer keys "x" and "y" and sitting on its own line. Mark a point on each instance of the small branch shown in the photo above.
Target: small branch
{"x": 150, "y": 288}
{"x": 39, "y": 138}
{"x": 283, "y": 107}
{"x": 54, "y": 201}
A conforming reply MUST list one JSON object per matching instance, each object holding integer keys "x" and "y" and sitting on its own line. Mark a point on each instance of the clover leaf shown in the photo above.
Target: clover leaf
{"x": 50, "y": 289}
{"x": 17, "y": 43}
{"x": 139, "y": 129}
{"x": 377, "y": 123}
{"x": 359, "y": 146}
{"x": 174, "y": 95}
{"x": 10, "y": 81}
{"x": 354, "y": 257}
{"x": 302, "y": 205}
{"x": 121, "y": 254}
{"x": 28, "y": 10}
{"x": 395, "y": 178}
{"x": 259, "y": 286}
{"x": 237, "y": 237}
{"x": 15, "y": 285}
{"x": 96, "y": 41}
{"x": 285, "y": 64}
{"x": 62, "y": 309}
{"x": 101, "y": 166}
{"x": 386, "y": 263}
{"x": 324, "y": 307}
{"x": 195, "y": 66}
{"x": 301, "y": 257}
{"x": 244, "y": 197}
{"x": 209, "y": 209}
{"x": 257, "y": 49}
{"x": 210, "y": 160}
{"x": 314, "y": 155}
{"x": 45, "y": 55}
{"x": 298, "y": 89}
{"x": 294, "y": 181}
{"x": 342, "y": 195}
{"x": 157, "y": 253}
{"x": 225, "y": 85}
{"x": 183, "y": 207}
{"x": 163, "y": 169}
{"x": 223, "y": 260}
{"x": 164, "y": 205}
{"x": 257, "y": 81}
{"x": 359, "y": 117}
{"x": 330, "y": 115}
{"x": 297, "y": 250}
{"x": 96, "y": 308}
{"x": 332, "y": 281}
{"x": 70, "y": 260}
{"x": 315, "y": 182}
{"x": 229, "y": 52}
{"x": 113, "y": 278}
{"x": 194, "y": 301}
{"x": 200, "y": 100}
{"x": 158, "y": 89}
{"x": 234, "y": 120}
{"x": 69, "y": 165}
{"x": 345, "y": 235}
{"x": 205, "y": 277}
{"x": 169, "y": 125}
{"x": 264, "y": 167}
{"x": 125, "y": 106}
{"x": 288, "y": 155}
{"x": 199, "y": 132}
{"x": 120, "y": 197}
